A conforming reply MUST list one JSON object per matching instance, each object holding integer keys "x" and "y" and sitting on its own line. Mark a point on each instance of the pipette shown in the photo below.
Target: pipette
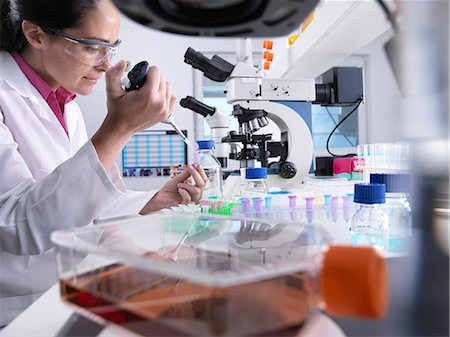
{"x": 135, "y": 79}
{"x": 170, "y": 120}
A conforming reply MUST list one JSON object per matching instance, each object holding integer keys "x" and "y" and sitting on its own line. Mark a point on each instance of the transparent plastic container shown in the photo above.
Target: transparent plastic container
{"x": 194, "y": 274}
{"x": 213, "y": 170}
{"x": 369, "y": 224}
{"x": 397, "y": 208}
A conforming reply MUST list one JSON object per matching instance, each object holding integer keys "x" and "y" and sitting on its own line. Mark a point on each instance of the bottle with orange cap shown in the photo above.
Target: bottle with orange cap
{"x": 354, "y": 282}
{"x": 343, "y": 280}
{"x": 243, "y": 277}
{"x": 173, "y": 170}
{"x": 350, "y": 282}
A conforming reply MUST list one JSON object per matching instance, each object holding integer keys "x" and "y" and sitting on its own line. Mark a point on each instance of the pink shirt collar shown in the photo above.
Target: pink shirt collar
{"x": 55, "y": 99}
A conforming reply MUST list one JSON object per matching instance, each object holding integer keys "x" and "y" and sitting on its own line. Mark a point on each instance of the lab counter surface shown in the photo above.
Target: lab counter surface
{"x": 50, "y": 316}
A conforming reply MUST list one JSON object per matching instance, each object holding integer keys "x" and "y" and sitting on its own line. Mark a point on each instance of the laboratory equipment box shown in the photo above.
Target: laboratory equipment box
{"x": 194, "y": 274}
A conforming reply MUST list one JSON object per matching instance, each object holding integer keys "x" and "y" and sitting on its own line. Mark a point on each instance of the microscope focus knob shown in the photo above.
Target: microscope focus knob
{"x": 287, "y": 170}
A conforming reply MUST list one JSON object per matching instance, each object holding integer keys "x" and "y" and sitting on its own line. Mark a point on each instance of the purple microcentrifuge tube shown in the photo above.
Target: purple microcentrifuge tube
{"x": 258, "y": 204}
{"x": 204, "y": 202}
{"x": 346, "y": 199}
{"x": 309, "y": 208}
{"x": 292, "y": 201}
{"x": 245, "y": 205}
{"x": 309, "y": 203}
{"x": 334, "y": 208}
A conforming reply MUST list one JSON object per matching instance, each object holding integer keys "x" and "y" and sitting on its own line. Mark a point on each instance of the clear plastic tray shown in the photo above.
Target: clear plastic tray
{"x": 193, "y": 274}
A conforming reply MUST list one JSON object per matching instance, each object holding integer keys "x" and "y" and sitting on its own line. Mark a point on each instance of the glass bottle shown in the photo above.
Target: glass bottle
{"x": 369, "y": 224}
{"x": 213, "y": 170}
{"x": 396, "y": 207}
{"x": 255, "y": 182}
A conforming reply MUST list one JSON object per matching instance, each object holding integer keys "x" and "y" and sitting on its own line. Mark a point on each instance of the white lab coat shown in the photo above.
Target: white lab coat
{"x": 48, "y": 181}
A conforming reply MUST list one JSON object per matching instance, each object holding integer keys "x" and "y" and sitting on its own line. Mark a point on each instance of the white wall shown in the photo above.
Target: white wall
{"x": 383, "y": 100}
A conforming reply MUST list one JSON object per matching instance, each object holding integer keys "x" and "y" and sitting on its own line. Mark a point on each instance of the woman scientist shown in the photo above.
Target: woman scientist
{"x": 51, "y": 175}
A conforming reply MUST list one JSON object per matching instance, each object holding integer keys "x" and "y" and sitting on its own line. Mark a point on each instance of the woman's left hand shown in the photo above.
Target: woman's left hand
{"x": 177, "y": 191}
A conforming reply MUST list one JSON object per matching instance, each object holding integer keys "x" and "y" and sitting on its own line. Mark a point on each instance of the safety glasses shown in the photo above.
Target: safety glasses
{"x": 88, "y": 51}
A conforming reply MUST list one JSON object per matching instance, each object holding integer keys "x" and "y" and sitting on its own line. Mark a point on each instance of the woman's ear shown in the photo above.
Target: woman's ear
{"x": 34, "y": 34}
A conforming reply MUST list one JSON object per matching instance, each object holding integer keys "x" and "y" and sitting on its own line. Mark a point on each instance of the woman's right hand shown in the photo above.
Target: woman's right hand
{"x": 130, "y": 111}
{"x": 133, "y": 111}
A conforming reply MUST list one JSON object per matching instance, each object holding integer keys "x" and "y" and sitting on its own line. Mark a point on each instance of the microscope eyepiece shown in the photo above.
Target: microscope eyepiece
{"x": 191, "y": 103}
{"x": 216, "y": 69}
{"x": 196, "y": 59}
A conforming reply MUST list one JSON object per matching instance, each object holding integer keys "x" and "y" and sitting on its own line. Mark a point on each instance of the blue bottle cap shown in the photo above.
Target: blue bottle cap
{"x": 370, "y": 193}
{"x": 207, "y": 144}
{"x": 395, "y": 182}
{"x": 256, "y": 173}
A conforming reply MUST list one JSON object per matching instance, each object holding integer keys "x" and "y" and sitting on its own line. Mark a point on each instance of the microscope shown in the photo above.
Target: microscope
{"x": 255, "y": 99}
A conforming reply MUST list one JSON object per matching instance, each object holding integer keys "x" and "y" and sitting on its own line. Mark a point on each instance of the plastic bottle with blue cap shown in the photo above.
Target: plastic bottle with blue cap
{"x": 205, "y": 157}
{"x": 369, "y": 224}
{"x": 397, "y": 208}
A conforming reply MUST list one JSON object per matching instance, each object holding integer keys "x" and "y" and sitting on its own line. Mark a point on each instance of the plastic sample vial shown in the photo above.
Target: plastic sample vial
{"x": 258, "y": 206}
{"x": 334, "y": 205}
{"x": 347, "y": 207}
{"x": 369, "y": 224}
{"x": 173, "y": 171}
{"x": 245, "y": 206}
{"x": 309, "y": 209}
{"x": 396, "y": 207}
{"x": 255, "y": 182}
{"x": 213, "y": 170}
{"x": 292, "y": 201}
